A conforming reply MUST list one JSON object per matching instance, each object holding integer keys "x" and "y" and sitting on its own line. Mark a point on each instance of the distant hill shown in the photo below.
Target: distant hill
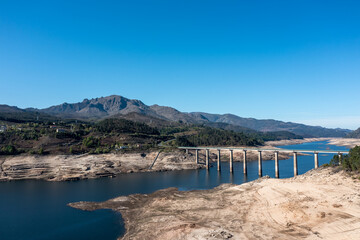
{"x": 15, "y": 114}
{"x": 120, "y": 107}
{"x": 270, "y": 125}
{"x": 354, "y": 134}
{"x": 149, "y": 120}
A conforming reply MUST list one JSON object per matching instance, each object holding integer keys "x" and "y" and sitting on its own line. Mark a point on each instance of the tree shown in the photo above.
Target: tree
{"x": 91, "y": 142}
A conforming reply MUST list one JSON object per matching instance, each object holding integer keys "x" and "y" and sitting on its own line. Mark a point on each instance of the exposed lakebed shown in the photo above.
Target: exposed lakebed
{"x": 37, "y": 209}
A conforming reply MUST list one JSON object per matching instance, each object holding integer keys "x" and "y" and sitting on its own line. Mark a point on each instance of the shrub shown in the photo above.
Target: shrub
{"x": 125, "y": 126}
{"x": 30, "y": 135}
{"x": 350, "y": 161}
{"x": 8, "y": 150}
{"x": 100, "y": 150}
{"x": 63, "y": 135}
{"x": 218, "y": 137}
{"x": 41, "y": 151}
{"x": 91, "y": 142}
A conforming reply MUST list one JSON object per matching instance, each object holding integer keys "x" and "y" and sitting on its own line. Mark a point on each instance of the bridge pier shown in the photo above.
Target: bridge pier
{"x": 295, "y": 164}
{"x": 231, "y": 161}
{"x": 207, "y": 159}
{"x": 219, "y": 161}
{"x": 340, "y": 155}
{"x": 260, "y": 164}
{"x": 316, "y": 158}
{"x": 316, "y": 153}
{"x": 197, "y": 156}
{"x": 276, "y": 164}
{"x": 245, "y": 163}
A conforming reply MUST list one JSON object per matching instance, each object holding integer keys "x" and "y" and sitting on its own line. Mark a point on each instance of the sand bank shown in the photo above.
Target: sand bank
{"x": 346, "y": 142}
{"x": 321, "y": 204}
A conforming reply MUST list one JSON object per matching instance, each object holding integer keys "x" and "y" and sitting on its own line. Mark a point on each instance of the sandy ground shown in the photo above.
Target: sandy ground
{"x": 347, "y": 142}
{"x": 321, "y": 204}
{"x": 294, "y": 141}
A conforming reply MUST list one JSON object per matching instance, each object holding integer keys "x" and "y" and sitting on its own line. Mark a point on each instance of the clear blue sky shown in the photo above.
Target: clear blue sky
{"x": 288, "y": 60}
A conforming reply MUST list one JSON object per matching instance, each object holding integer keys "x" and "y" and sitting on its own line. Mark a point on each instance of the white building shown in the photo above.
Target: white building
{"x": 3, "y": 128}
{"x": 60, "y": 130}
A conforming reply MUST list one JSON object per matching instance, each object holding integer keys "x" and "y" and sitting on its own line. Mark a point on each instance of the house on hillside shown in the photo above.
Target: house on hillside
{"x": 60, "y": 130}
{"x": 3, "y": 128}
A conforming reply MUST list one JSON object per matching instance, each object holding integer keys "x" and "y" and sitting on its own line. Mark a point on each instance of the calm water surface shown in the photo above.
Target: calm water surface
{"x": 37, "y": 209}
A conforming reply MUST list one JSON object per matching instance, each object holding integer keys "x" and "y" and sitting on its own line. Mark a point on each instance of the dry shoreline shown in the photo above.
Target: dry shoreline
{"x": 76, "y": 167}
{"x": 321, "y": 204}
{"x": 346, "y": 142}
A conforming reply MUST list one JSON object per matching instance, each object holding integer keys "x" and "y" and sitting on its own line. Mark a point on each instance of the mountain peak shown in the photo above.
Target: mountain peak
{"x": 100, "y": 107}
{"x": 115, "y": 105}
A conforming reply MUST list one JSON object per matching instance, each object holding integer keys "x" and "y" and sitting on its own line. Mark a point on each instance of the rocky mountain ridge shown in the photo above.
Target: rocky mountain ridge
{"x": 118, "y": 106}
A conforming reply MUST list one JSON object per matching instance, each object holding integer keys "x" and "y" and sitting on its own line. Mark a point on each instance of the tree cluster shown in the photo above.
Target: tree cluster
{"x": 348, "y": 162}
{"x": 124, "y": 126}
{"x": 217, "y": 137}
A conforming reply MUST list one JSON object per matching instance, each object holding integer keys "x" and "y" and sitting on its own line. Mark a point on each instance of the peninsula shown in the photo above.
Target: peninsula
{"x": 321, "y": 204}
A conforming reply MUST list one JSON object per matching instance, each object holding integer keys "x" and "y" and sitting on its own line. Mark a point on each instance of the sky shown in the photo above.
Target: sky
{"x": 293, "y": 60}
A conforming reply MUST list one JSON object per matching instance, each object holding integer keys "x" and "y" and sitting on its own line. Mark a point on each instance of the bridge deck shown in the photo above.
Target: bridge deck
{"x": 266, "y": 150}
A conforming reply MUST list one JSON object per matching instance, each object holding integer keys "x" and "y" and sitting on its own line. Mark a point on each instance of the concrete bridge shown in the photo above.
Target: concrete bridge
{"x": 259, "y": 150}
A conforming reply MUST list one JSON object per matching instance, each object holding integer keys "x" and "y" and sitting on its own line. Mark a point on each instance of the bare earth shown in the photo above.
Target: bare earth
{"x": 74, "y": 167}
{"x": 321, "y": 204}
{"x": 346, "y": 142}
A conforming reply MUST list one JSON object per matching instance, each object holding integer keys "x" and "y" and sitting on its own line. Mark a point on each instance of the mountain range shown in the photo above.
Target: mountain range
{"x": 120, "y": 107}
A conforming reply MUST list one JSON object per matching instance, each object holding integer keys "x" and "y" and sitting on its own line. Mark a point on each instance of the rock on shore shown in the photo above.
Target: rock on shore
{"x": 321, "y": 204}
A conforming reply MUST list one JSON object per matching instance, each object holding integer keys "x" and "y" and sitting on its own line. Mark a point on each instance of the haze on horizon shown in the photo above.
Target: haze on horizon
{"x": 287, "y": 60}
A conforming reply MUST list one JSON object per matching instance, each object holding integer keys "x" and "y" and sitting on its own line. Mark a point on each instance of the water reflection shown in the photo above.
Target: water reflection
{"x": 218, "y": 179}
{"x": 231, "y": 177}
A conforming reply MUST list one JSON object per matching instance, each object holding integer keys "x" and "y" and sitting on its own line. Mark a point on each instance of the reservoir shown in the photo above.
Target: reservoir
{"x": 34, "y": 209}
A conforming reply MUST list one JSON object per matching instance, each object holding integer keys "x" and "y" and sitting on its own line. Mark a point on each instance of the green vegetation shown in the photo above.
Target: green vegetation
{"x": 125, "y": 126}
{"x": 354, "y": 134}
{"x": 30, "y": 135}
{"x": 77, "y": 137}
{"x": 8, "y": 150}
{"x": 348, "y": 162}
{"x": 91, "y": 142}
{"x": 21, "y": 116}
{"x": 280, "y": 135}
{"x": 218, "y": 137}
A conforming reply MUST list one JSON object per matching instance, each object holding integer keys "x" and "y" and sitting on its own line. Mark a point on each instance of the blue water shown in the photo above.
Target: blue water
{"x": 35, "y": 209}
